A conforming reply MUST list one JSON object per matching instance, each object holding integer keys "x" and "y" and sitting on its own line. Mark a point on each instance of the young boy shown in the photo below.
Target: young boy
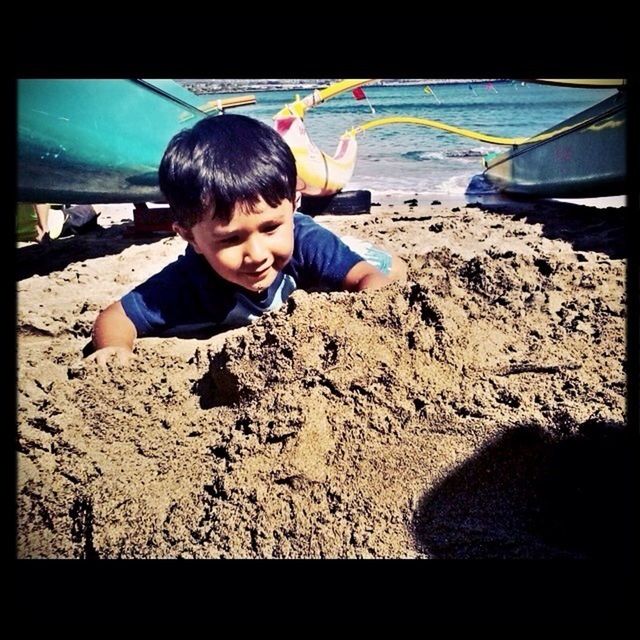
{"x": 231, "y": 184}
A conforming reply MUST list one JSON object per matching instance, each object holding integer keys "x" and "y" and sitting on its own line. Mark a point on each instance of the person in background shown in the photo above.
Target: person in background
{"x": 42, "y": 222}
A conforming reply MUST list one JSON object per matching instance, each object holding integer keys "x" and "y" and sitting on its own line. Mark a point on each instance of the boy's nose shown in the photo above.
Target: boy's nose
{"x": 255, "y": 251}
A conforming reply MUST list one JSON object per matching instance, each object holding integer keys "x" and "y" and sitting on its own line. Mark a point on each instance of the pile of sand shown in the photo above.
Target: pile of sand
{"x": 476, "y": 411}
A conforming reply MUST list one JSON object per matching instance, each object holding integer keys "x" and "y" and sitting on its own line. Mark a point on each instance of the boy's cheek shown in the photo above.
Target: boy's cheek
{"x": 283, "y": 259}
{"x": 226, "y": 259}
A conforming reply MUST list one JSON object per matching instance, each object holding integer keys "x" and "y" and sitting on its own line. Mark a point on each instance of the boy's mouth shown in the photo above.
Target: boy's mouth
{"x": 256, "y": 275}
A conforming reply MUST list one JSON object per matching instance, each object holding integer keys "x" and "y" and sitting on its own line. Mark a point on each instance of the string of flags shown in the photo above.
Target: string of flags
{"x": 359, "y": 94}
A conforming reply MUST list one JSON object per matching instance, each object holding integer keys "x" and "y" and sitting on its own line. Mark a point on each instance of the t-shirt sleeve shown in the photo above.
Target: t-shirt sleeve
{"x": 322, "y": 257}
{"x": 164, "y": 301}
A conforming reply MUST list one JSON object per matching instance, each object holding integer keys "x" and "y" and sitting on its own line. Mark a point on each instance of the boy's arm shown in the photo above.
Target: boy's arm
{"x": 364, "y": 276}
{"x": 113, "y": 334}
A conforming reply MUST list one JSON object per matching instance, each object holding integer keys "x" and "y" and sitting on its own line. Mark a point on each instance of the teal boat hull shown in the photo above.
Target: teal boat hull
{"x": 97, "y": 141}
{"x": 583, "y": 156}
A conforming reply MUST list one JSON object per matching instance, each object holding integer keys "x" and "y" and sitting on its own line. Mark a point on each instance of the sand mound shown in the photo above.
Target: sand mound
{"x": 457, "y": 415}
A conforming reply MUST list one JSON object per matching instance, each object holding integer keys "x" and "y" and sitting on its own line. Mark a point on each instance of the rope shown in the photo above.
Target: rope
{"x": 424, "y": 122}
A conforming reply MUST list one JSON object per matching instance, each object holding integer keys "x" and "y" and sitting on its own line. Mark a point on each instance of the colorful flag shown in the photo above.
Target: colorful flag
{"x": 430, "y": 92}
{"x": 358, "y": 93}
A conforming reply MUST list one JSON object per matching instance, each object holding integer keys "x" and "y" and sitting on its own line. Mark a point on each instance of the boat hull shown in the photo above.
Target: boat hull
{"x": 95, "y": 141}
{"x": 583, "y": 156}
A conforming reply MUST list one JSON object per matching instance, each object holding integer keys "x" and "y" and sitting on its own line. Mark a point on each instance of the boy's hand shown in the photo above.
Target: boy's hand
{"x": 113, "y": 336}
{"x": 123, "y": 356}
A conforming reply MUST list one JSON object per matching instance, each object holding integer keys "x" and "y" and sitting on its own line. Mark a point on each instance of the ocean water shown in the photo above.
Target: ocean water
{"x": 411, "y": 159}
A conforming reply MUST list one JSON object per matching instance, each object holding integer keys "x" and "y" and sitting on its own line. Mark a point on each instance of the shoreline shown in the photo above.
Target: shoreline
{"x": 198, "y": 86}
{"x": 461, "y": 199}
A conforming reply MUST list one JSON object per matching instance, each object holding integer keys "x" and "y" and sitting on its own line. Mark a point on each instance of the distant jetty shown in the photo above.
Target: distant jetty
{"x": 209, "y": 86}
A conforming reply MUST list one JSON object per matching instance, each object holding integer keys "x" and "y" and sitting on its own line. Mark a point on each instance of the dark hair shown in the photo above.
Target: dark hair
{"x": 223, "y": 161}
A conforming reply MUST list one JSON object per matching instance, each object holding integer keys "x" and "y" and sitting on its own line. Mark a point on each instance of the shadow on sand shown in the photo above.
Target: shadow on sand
{"x": 42, "y": 259}
{"x": 586, "y": 228}
{"x": 536, "y": 494}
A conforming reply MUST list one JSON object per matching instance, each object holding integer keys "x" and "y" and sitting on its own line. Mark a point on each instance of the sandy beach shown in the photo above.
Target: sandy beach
{"x": 476, "y": 411}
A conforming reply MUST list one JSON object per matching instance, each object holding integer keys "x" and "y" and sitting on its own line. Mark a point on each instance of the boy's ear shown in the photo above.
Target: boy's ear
{"x": 300, "y": 185}
{"x": 185, "y": 234}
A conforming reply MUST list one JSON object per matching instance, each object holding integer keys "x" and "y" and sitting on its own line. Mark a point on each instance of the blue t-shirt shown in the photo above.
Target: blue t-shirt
{"x": 188, "y": 297}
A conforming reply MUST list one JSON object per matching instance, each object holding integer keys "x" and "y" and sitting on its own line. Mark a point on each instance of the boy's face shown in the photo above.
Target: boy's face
{"x": 251, "y": 248}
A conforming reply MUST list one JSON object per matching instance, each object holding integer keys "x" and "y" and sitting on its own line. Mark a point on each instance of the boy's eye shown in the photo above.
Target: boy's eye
{"x": 272, "y": 227}
{"x": 229, "y": 240}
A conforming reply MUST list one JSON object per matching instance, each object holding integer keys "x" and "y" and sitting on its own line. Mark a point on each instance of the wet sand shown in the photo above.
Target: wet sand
{"x": 477, "y": 411}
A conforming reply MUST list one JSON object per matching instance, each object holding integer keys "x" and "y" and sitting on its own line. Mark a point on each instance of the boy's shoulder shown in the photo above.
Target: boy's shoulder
{"x": 306, "y": 231}
{"x": 303, "y": 220}
{"x": 303, "y": 223}
{"x": 320, "y": 259}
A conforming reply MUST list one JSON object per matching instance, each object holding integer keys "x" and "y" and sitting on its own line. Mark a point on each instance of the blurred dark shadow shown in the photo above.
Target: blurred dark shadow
{"x": 586, "y": 228}
{"x": 42, "y": 259}
{"x": 533, "y": 494}
{"x": 219, "y": 387}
